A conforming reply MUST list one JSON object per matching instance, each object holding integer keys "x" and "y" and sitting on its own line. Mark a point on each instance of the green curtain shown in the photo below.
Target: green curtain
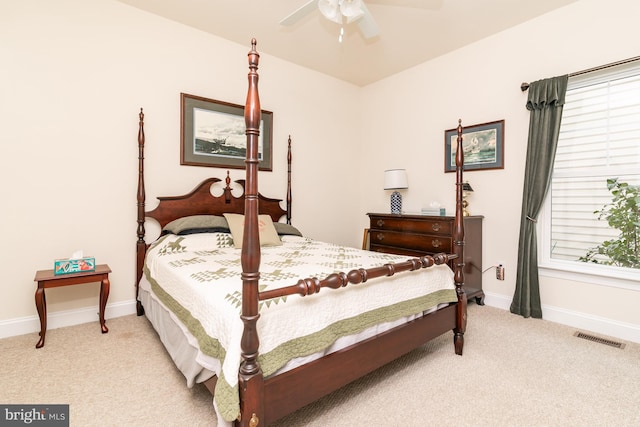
{"x": 546, "y": 98}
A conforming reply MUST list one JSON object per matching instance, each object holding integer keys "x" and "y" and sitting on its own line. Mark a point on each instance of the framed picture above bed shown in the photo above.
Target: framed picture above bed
{"x": 212, "y": 133}
{"x": 483, "y": 147}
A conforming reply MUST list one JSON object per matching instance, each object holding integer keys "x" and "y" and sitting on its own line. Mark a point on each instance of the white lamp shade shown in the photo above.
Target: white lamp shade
{"x": 395, "y": 179}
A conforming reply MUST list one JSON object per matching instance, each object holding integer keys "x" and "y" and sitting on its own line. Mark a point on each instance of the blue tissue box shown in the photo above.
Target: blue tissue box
{"x": 80, "y": 265}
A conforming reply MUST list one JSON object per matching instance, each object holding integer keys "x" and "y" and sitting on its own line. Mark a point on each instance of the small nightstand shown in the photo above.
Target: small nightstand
{"x": 418, "y": 235}
{"x": 46, "y": 279}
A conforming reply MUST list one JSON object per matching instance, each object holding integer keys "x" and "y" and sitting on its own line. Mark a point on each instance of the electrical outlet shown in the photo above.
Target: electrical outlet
{"x": 500, "y": 272}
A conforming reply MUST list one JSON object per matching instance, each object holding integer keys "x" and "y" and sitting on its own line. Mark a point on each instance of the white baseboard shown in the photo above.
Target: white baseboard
{"x": 575, "y": 319}
{"x": 60, "y": 319}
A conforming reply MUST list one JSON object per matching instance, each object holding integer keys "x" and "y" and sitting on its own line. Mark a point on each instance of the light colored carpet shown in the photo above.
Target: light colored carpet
{"x": 514, "y": 372}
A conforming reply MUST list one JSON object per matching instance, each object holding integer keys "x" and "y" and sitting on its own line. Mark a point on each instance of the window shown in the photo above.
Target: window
{"x": 599, "y": 140}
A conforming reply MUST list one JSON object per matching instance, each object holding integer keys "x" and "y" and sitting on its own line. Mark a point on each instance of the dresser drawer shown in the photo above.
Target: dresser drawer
{"x": 426, "y": 225}
{"x": 429, "y": 243}
{"x": 419, "y": 235}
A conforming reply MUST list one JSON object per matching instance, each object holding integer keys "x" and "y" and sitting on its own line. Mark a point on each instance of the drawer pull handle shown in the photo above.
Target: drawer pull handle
{"x": 380, "y": 223}
{"x": 380, "y": 237}
{"x": 436, "y": 226}
{"x": 436, "y": 243}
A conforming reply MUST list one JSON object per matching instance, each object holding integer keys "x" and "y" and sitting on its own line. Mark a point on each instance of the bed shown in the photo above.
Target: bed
{"x": 268, "y": 319}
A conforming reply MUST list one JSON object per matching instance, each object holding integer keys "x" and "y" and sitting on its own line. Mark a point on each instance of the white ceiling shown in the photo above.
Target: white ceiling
{"x": 409, "y": 35}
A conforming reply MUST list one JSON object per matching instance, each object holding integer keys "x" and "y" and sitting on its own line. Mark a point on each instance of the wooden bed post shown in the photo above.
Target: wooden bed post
{"x": 250, "y": 379}
{"x": 458, "y": 242}
{"x": 289, "y": 198}
{"x": 140, "y": 244}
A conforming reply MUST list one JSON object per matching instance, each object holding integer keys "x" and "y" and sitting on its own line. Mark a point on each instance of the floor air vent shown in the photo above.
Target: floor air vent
{"x": 599, "y": 340}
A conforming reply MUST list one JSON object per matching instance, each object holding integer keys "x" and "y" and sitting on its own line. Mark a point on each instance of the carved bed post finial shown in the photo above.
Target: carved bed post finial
{"x": 141, "y": 247}
{"x": 458, "y": 241}
{"x": 250, "y": 380}
{"x": 227, "y": 189}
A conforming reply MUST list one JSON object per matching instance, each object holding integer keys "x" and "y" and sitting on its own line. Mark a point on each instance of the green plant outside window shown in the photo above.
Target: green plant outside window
{"x": 622, "y": 213}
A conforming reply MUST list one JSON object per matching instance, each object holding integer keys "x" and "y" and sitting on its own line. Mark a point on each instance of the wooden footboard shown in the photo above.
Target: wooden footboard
{"x": 313, "y": 285}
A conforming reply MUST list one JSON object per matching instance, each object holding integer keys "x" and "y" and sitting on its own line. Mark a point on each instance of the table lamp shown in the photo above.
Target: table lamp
{"x": 395, "y": 179}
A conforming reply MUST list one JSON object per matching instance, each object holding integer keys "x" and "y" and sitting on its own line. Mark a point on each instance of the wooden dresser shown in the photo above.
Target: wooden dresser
{"x": 418, "y": 235}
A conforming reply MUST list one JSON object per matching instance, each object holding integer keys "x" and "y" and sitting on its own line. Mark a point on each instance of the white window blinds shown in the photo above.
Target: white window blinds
{"x": 599, "y": 139}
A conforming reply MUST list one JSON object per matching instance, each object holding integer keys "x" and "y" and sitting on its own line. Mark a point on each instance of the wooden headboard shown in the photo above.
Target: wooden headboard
{"x": 201, "y": 201}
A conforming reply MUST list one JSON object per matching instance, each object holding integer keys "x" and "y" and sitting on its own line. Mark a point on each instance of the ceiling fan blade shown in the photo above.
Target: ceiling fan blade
{"x": 418, "y": 4}
{"x": 367, "y": 24}
{"x": 300, "y": 13}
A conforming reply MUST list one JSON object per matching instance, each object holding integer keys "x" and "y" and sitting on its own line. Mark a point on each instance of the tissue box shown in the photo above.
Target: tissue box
{"x": 434, "y": 212}
{"x": 430, "y": 212}
{"x": 79, "y": 265}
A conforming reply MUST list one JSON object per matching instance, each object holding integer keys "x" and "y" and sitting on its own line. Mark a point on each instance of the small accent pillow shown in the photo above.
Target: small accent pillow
{"x": 196, "y": 224}
{"x": 286, "y": 229}
{"x": 266, "y": 230}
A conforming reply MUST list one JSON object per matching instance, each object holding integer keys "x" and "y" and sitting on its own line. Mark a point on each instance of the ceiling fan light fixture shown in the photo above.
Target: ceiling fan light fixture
{"x": 343, "y": 12}
{"x": 335, "y": 10}
{"x": 330, "y": 9}
{"x": 352, "y": 9}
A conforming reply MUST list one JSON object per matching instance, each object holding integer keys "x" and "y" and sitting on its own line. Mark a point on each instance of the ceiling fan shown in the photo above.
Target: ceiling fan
{"x": 341, "y": 11}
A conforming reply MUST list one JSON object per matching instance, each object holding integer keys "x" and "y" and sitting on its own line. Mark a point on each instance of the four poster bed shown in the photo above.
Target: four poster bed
{"x": 219, "y": 286}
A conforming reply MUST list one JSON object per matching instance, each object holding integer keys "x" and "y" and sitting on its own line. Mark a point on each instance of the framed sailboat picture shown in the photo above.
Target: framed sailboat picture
{"x": 483, "y": 147}
{"x": 213, "y": 134}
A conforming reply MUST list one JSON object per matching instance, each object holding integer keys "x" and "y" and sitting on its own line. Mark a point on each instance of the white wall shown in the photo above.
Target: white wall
{"x": 406, "y": 116}
{"x": 74, "y": 76}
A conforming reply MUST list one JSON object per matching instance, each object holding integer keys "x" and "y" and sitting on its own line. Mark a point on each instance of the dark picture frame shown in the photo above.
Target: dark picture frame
{"x": 483, "y": 147}
{"x": 212, "y": 133}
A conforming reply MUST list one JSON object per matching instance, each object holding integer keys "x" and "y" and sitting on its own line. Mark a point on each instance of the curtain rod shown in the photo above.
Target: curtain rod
{"x": 525, "y": 86}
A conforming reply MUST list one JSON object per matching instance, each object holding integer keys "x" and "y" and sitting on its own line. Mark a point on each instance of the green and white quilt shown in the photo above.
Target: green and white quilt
{"x": 197, "y": 277}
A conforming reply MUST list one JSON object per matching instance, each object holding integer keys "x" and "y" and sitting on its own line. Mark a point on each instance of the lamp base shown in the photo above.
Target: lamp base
{"x": 396, "y": 203}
